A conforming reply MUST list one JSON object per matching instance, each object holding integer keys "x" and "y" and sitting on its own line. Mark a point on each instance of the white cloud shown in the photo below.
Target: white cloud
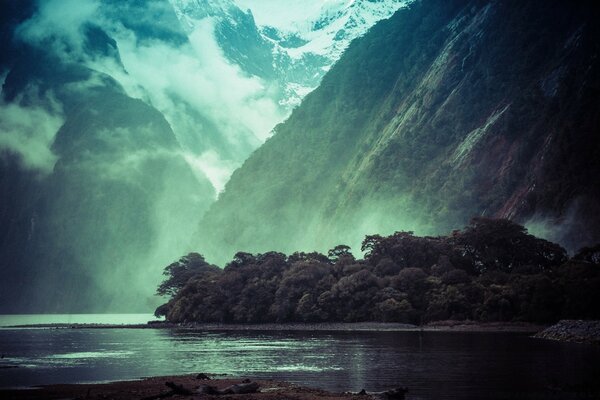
{"x": 239, "y": 98}
{"x": 196, "y": 76}
{"x": 59, "y": 23}
{"x": 211, "y": 165}
{"x": 29, "y": 131}
{"x": 191, "y": 83}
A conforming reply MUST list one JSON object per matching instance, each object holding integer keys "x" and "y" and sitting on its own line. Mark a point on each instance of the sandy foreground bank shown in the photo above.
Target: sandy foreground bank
{"x": 155, "y": 388}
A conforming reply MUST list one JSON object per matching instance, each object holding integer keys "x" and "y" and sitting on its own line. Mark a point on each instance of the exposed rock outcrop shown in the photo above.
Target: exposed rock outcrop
{"x": 577, "y": 331}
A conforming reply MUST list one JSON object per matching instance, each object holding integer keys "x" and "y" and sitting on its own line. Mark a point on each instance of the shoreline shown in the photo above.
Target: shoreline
{"x": 155, "y": 388}
{"x": 438, "y": 326}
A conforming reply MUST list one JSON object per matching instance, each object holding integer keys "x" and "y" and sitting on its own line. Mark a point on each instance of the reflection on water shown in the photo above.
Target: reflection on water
{"x": 83, "y": 355}
{"x": 433, "y": 365}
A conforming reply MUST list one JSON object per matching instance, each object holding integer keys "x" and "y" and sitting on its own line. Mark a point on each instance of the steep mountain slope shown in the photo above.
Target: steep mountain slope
{"x": 445, "y": 111}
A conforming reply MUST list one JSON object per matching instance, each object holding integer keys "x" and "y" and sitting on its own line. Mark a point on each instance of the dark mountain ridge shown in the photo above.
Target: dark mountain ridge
{"x": 447, "y": 110}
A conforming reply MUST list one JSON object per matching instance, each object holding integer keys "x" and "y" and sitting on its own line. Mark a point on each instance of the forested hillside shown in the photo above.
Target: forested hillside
{"x": 448, "y": 110}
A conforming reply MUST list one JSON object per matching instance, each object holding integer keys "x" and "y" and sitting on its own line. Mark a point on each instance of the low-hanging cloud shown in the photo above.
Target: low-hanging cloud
{"x": 219, "y": 113}
{"x": 29, "y": 131}
{"x": 198, "y": 74}
{"x": 198, "y": 90}
{"x": 212, "y": 166}
{"x": 58, "y": 24}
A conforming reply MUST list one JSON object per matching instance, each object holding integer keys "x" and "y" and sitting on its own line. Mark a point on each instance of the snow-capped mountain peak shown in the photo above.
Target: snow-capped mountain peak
{"x": 292, "y": 43}
{"x": 313, "y": 45}
{"x": 338, "y": 23}
{"x": 189, "y": 12}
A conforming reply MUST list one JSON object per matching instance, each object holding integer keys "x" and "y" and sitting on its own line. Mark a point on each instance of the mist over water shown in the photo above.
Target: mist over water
{"x": 43, "y": 319}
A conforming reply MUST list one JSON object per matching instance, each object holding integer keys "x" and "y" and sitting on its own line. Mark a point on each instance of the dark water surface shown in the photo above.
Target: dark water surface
{"x": 433, "y": 365}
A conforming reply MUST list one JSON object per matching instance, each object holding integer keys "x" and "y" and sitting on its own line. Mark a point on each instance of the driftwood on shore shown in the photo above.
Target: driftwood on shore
{"x": 393, "y": 394}
{"x": 240, "y": 388}
{"x": 175, "y": 390}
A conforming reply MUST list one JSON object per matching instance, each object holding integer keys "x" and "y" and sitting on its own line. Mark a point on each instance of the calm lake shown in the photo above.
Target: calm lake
{"x": 433, "y": 365}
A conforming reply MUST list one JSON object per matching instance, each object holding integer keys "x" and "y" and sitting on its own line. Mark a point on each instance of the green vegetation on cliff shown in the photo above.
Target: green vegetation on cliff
{"x": 447, "y": 110}
{"x": 492, "y": 270}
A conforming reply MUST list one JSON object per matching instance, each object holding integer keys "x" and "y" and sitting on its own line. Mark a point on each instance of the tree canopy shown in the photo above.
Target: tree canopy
{"x": 180, "y": 272}
{"x": 492, "y": 270}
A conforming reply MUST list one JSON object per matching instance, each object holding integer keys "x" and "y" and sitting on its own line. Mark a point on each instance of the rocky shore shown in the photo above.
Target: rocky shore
{"x": 577, "y": 331}
{"x": 191, "y": 387}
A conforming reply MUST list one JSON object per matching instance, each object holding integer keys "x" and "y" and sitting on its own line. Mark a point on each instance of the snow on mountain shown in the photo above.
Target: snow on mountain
{"x": 336, "y": 24}
{"x": 283, "y": 14}
{"x": 292, "y": 43}
{"x": 316, "y": 43}
{"x": 190, "y": 12}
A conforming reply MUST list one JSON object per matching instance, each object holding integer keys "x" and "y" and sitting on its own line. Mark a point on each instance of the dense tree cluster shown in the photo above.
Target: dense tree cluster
{"x": 492, "y": 270}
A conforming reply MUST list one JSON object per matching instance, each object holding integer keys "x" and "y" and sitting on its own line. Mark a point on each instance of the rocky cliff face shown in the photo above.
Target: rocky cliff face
{"x": 445, "y": 111}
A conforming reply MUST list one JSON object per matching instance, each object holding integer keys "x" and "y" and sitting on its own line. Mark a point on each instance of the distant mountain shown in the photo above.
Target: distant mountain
{"x": 86, "y": 235}
{"x": 296, "y": 56}
{"x": 96, "y": 192}
{"x": 448, "y": 110}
